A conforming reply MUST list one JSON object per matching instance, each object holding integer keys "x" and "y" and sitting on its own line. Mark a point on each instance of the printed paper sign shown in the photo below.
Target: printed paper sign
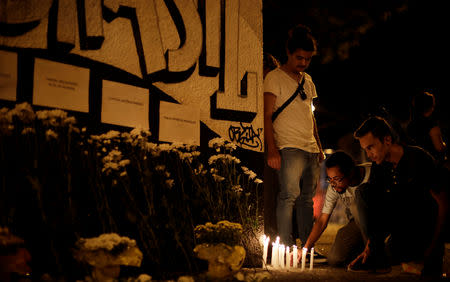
{"x": 61, "y": 86}
{"x": 179, "y": 123}
{"x": 8, "y": 75}
{"x": 125, "y": 105}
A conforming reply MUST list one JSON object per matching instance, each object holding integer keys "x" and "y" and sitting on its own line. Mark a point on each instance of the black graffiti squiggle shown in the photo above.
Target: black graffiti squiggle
{"x": 246, "y": 135}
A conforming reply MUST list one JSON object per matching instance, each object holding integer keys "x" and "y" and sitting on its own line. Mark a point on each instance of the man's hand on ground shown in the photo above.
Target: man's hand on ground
{"x": 362, "y": 257}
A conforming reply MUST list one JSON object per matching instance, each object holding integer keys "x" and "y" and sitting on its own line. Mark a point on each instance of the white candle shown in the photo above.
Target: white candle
{"x": 295, "y": 257}
{"x": 274, "y": 260}
{"x": 311, "y": 259}
{"x": 281, "y": 256}
{"x": 265, "y": 248}
{"x": 304, "y": 250}
{"x": 288, "y": 257}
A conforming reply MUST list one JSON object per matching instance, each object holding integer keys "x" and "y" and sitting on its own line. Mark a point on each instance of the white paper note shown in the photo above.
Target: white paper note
{"x": 61, "y": 86}
{"x": 125, "y": 105}
{"x": 8, "y": 75}
{"x": 179, "y": 123}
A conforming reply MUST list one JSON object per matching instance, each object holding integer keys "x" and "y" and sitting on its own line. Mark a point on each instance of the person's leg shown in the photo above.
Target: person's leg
{"x": 292, "y": 165}
{"x": 348, "y": 244}
{"x": 304, "y": 203}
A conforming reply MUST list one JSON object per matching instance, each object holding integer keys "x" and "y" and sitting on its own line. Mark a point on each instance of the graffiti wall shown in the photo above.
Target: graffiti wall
{"x": 172, "y": 66}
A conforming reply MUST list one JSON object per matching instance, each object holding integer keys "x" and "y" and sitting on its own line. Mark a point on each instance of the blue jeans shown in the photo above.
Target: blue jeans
{"x": 297, "y": 166}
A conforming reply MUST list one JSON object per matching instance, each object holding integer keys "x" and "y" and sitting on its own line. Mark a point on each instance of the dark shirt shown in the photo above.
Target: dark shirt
{"x": 403, "y": 196}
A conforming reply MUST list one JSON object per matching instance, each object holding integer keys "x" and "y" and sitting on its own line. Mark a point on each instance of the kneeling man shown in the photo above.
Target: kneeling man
{"x": 344, "y": 178}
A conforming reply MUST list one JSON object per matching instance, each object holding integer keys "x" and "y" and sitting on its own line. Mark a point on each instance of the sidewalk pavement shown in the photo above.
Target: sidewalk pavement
{"x": 324, "y": 272}
{"x": 327, "y": 273}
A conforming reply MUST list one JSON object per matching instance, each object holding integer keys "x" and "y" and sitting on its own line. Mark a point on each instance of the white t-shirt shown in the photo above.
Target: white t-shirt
{"x": 294, "y": 127}
{"x": 347, "y": 198}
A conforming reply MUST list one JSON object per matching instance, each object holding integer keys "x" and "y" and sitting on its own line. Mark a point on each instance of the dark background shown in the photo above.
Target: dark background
{"x": 373, "y": 57}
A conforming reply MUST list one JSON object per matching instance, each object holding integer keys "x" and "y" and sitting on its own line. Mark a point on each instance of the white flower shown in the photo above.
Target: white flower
{"x": 143, "y": 278}
{"x": 186, "y": 156}
{"x": 250, "y": 174}
{"x": 199, "y": 170}
{"x": 160, "y": 167}
{"x": 185, "y": 279}
{"x": 50, "y": 134}
{"x": 111, "y": 134}
{"x": 230, "y": 146}
{"x": 239, "y": 276}
{"x": 213, "y": 159}
{"x": 218, "y": 178}
{"x": 24, "y": 112}
{"x": 140, "y": 132}
{"x": 106, "y": 241}
{"x": 28, "y": 130}
{"x": 70, "y": 121}
{"x": 170, "y": 182}
{"x": 237, "y": 188}
{"x": 164, "y": 147}
{"x": 216, "y": 142}
{"x": 123, "y": 163}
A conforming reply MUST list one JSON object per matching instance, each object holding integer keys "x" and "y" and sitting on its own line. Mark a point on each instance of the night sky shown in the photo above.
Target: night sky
{"x": 373, "y": 57}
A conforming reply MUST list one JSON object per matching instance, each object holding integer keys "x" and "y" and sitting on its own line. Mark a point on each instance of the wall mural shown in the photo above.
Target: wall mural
{"x": 206, "y": 54}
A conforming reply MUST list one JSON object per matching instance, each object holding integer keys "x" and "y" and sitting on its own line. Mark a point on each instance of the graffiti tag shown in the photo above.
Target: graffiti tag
{"x": 246, "y": 135}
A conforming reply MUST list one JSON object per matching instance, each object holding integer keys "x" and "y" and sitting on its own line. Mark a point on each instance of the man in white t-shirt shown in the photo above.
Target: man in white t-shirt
{"x": 344, "y": 177}
{"x": 292, "y": 140}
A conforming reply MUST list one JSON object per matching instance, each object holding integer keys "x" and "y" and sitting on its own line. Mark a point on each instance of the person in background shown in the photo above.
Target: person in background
{"x": 424, "y": 129}
{"x": 293, "y": 144}
{"x": 344, "y": 178}
{"x": 269, "y": 63}
{"x": 406, "y": 203}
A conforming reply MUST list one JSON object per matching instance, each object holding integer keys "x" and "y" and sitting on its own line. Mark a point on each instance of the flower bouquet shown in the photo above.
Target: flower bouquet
{"x": 219, "y": 246}
{"x": 107, "y": 253}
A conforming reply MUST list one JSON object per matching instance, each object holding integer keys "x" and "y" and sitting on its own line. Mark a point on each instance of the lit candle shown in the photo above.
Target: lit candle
{"x": 281, "y": 256}
{"x": 311, "y": 259}
{"x": 274, "y": 260}
{"x": 295, "y": 256}
{"x": 288, "y": 257}
{"x": 265, "y": 248}
{"x": 304, "y": 250}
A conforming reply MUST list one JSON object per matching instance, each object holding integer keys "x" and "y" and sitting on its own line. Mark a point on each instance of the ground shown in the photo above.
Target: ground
{"x": 324, "y": 272}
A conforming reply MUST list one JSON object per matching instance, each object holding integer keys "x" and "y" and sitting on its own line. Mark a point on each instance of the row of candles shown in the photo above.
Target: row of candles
{"x": 281, "y": 255}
